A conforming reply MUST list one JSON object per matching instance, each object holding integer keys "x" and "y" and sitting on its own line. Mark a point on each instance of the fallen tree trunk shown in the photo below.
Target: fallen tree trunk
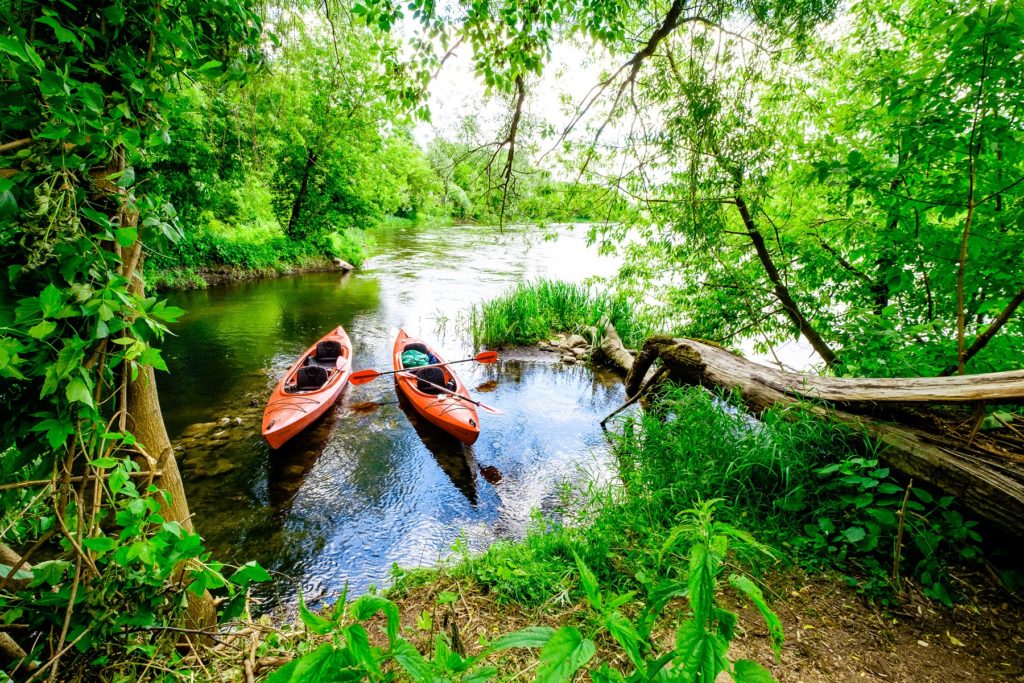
{"x": 985, "y": 472}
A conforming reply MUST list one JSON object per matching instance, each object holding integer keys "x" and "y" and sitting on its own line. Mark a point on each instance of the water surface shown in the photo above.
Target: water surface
{"x": 370, "y": 485}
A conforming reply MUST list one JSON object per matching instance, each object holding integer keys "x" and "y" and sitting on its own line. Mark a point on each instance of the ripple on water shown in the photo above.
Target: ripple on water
{"x": 370, "y": 485}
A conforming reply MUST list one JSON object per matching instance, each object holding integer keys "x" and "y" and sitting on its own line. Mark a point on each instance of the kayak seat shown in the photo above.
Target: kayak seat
{"x": 428, "y": 376}
{"x": 310, "y": 377}
{"x": 328, "y": 350}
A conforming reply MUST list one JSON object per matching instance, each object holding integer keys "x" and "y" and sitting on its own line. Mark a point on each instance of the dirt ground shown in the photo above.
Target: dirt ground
{"x": 832, "y": 634}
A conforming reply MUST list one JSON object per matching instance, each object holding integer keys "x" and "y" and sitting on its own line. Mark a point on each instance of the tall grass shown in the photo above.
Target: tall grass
{"x": 534, "y": 311}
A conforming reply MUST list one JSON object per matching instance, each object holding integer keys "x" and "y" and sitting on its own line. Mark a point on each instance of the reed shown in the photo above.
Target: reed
{"x": 534, "y": 311}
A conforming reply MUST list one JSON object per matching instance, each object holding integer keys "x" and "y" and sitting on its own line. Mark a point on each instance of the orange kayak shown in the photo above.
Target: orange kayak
{"x": 453, "y": 415}
{"x": 311, "y": 386}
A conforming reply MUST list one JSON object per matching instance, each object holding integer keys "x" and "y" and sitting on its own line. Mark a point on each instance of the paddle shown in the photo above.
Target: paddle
{"x": 490, "y": 409}
{"x": 368, "y": 375}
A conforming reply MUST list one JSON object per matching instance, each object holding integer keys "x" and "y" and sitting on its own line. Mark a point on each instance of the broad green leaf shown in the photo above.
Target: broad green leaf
{"x": 99, "y": 544}
{"x": 701, "y": 653}
{"x": 151, "y": 356}
{"x": 51, "y": 300}
{"x": 8, "y": 204}
{"x": 77, "y": 390}
{"x": 531, "y": 636}
{"x": 50, "y": 572}
{"x": 250, "y": 572}
{"x": 746, "y": 671}
{"x": 563, "y": 655}
{"x": 368, "y": 605}
{"x": 753, "y": 593}
{"x": 42, "y": 329}
{"x": 318, "y": 666}
{"x": 410, "y": 659}
{"x": 314, "y": 622}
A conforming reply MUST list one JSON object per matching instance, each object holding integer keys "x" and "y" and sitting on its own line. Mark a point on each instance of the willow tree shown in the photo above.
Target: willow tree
{"x": 89, "y": 478}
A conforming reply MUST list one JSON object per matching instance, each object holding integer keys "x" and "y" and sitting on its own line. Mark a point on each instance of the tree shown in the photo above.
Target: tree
{"x": 86, "y": 462}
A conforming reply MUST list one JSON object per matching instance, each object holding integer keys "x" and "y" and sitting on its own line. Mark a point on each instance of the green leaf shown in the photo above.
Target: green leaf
{"x": 250, "y": 572}
{"x": 589, "y": 582}
{"x": 99, "y": 544}
{"x": 754, "y": 594}
{"x": 42, "y": 329}
{"x": 126, "y": 177}
{"x": 410, "y": 659}
{"x": 50, "y": 572}
{"x": 126, "y": 236}
{"x": 531, "y": 636}
{"x": 103, "y": 462}
{"x": 563, "y": 655}
{"x": 702, "y": 653}
{"x": 746, "y": 671}
{"x": 314, "y": 622}
{"x": 368, "y": 605}
{"x": 359, "y": 647}
{"x": 854, "y": 534}
{"x": 318, "y": 666}
{"x": 152, "y": 357}
{"x": 51, "y": 300}
{"x": 8, "y": 204}
{"x": 77, "y": 390}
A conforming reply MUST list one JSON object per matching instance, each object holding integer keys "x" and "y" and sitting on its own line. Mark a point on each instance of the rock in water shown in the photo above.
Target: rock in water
{"x": 576, "y": 341}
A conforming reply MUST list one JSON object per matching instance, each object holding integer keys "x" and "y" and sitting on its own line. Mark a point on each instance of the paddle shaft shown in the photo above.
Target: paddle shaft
{"x": 453, "y": 393}
{"x": 368, "y": 375}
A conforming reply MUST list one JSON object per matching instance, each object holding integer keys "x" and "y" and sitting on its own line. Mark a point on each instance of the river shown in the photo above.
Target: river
{"x": 368, "y": 486}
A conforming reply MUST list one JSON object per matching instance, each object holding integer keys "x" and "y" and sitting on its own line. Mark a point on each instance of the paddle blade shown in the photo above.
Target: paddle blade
{"x": 486, "y": 357}
{"x": 363, "y": 376}
{"x": 491, "y": 409}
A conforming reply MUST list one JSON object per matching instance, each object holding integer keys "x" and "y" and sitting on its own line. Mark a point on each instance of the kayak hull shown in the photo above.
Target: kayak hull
{"x": 454, "y": 415}
{"x": 289, "y": 411}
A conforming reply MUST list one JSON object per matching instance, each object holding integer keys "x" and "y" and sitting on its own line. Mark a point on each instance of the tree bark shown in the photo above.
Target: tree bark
{"x": 300, "y": 198}
{"x": 782, "y": 293}
{"x": 985, "y": 337}
{"x": 985, "y": 473}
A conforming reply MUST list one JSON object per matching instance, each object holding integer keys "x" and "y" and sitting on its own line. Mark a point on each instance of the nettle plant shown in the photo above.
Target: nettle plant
{"x": 96, "y": 539}
{"x": 700, "y": 652}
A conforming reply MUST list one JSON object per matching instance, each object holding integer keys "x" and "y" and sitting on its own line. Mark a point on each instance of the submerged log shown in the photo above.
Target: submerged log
{"x": 985, "y": 473}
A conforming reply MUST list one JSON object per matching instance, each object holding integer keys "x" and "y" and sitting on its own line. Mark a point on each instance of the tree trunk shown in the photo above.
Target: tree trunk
{"x": 300, "y": 198}
{"x": 146, "y": 422}
{"x": 782, "y": 293}
{"x": 985, "y": 471}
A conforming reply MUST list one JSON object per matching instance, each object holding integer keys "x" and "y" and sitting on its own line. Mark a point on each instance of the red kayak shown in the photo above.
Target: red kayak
{"x": 311, "y": 386}
{"x": 454, "y": 415}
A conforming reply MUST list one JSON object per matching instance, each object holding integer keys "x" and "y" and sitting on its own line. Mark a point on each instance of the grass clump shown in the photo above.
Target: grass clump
{"x": 534, "y": 311}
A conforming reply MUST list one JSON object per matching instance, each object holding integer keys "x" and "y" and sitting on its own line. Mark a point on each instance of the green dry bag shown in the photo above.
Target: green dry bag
{"x": 414, "y": 359}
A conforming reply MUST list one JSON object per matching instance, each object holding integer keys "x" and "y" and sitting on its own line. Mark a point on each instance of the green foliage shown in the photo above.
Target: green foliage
{"x": 795, "y": 482}
{"x": 536, "y": 310}
{"x": 85, "y": 110}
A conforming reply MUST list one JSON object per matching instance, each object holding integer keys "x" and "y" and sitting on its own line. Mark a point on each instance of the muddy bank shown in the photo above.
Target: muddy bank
{"x": 200, "y": 278}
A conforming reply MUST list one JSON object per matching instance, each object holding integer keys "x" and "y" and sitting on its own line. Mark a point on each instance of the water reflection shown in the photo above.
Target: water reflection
{"x": 369, "y": 485}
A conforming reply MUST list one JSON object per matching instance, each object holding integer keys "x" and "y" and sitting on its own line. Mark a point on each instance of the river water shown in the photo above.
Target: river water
{"x": 369, "y": 485}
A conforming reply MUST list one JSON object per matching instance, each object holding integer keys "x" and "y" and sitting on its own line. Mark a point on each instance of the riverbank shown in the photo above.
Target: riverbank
{"x": 215, "y": 256}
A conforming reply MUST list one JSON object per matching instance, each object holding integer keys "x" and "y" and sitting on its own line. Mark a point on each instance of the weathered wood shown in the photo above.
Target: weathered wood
{"x": 728, "y": 368}
{"x": 983, "y": 475}
{"x": 613, "y": 351}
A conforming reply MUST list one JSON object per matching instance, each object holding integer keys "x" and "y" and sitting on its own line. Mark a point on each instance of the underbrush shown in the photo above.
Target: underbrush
{"x": 259, "y": 244}
{"x": 534, "y": 311}
{"x": 816, "y": 494}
